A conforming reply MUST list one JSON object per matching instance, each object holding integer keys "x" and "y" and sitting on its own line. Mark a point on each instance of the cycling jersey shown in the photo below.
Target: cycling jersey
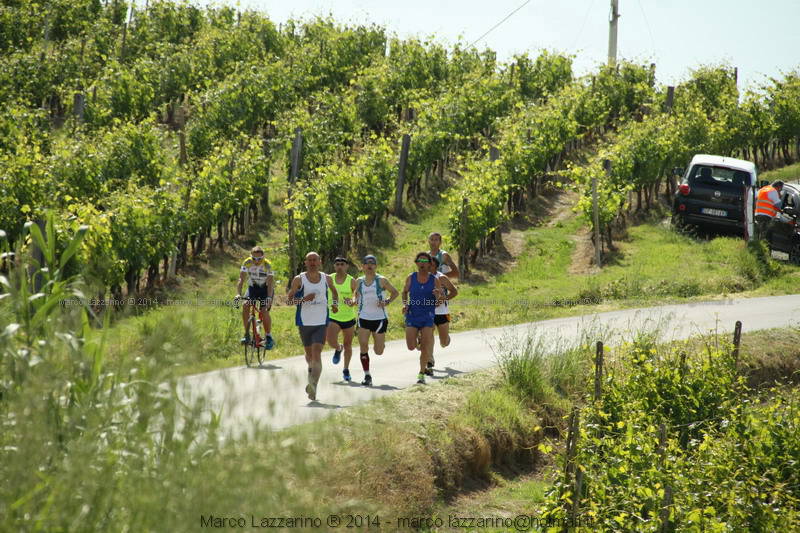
{"x": 258, "y": 272}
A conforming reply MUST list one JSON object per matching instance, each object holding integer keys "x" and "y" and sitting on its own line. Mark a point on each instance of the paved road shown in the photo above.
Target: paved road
{"x": 274, "y": 396}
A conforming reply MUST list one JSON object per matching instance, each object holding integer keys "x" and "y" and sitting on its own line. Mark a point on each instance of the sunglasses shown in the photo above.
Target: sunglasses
{"x": 340, "y": 263}
{"x": 370, "y": 263}
{"x": 257, "y": 258}
{"x": 422, "y": 261}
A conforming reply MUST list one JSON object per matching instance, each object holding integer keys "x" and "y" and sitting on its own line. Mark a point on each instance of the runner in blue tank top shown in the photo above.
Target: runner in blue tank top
{"x": 420, "y": 296}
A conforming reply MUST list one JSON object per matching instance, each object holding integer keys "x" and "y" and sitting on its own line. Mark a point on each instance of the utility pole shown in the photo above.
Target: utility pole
{"x": 612, "y": 33}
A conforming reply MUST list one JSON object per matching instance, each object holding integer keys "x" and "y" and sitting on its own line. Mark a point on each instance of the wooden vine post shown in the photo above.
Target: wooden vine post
{"x": 401, "y": 175}
{"x": 297, "y": 148}
{"x": 598, "y": 372}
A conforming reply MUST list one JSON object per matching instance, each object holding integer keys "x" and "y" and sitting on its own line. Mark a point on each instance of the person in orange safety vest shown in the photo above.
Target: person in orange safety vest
{"x": 768, "y": 205}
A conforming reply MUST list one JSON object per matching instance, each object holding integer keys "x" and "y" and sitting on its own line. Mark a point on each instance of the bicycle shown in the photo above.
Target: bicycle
{"x": 254, "y": 350}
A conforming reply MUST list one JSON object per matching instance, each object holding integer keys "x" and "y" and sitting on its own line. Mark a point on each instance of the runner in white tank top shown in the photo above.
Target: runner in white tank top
{"x": 308, "y": 292}
{"x": 315, "y": 311}
{"x": 441, "y": 317}
{"x": 371, "y": 298}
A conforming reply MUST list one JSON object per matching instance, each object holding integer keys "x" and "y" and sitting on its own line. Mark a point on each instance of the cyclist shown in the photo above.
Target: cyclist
{"x": 424, "y": 290}
{"x": 441, "y": 317}
{"x": 372, "y": 317}
{"x": 261, "y": 287}
{"x": 345, "y": 319}
{"x": 308, "y": 292}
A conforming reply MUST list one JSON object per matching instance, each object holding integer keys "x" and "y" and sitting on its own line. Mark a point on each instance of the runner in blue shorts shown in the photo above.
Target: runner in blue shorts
{"x": 420, "y": 295}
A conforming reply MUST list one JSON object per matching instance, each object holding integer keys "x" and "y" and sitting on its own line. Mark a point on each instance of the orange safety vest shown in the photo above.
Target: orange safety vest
{"x": 764, "y": 205}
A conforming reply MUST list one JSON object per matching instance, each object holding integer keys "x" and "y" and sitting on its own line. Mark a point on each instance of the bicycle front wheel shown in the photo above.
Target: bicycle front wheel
{"x": 261, "y": 353}
{"x": 250, "y": 347}
{"x": 249, "y": 356}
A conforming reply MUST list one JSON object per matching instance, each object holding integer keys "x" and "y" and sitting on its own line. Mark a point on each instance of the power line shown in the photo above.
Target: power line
{"x": 646, "y": 23}
{"x": 585, "y": 19}
{"x": 499, "y": 23}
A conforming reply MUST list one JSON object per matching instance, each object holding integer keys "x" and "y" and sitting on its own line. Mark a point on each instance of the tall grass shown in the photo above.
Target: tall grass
{"x": 547, "y": 369}
{"x": 91, "y": 445}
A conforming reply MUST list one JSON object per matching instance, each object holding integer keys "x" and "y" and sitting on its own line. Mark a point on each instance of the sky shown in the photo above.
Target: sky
{"x": 760, "y": 38}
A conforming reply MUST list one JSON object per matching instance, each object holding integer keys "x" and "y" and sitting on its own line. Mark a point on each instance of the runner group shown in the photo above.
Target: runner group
{"x": 337, "y": 305}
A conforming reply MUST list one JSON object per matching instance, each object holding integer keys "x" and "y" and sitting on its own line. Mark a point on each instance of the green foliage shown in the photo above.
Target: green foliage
{"x": 715, "y": 435}
{"x": 344, "y": 199}
{"x": 484, "y": 190}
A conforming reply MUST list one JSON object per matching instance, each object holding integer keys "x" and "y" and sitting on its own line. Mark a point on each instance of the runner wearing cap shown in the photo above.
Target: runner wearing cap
{"x": 441, "y": 317}
{"x": 447, "y": 266}
{"x": 308, "y": 292}
{"x": 420, "y": 293}
{"x": 345, "y": 319}
{"x": 372, "y": 318}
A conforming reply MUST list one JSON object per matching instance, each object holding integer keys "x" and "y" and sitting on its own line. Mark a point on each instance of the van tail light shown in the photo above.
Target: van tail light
{"x": 684, "y": 189}
{"x": 681, "y": 207}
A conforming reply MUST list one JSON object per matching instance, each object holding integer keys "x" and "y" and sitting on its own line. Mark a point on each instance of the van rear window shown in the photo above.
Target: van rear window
{"x": 718, "y": 176}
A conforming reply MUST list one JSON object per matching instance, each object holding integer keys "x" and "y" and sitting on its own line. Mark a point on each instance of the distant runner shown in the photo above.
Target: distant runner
{"x": 308, "y": 291}
{"x": 261, "y": 287}
{"x": 446, "y": 264}
{"x": 344, "y": 320}
{"x": 441, "y": 317}
{"x": 420, "y": 293}
{"x": 372, "y": 318}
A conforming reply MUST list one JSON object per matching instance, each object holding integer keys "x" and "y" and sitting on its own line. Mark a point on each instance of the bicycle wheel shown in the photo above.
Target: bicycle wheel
{"x": 248, "y": 353}
{"x": 249, "y": 347}
{"x": 261, "y": 353}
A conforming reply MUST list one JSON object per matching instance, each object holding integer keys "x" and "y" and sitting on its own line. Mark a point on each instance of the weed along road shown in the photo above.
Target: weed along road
{"x": 273, "y": 395}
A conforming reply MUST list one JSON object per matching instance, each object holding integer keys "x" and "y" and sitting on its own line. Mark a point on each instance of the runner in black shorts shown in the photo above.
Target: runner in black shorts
{"x": 441, "y": 317}
{"x": 344, "y": 320}
{"x": 372, "y": 317}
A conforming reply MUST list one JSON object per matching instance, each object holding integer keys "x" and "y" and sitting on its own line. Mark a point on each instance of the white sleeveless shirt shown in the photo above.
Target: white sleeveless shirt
{"x": 442, "y": 309}
{"x": 368, "y": 305}
{"x": 315, "y": 312}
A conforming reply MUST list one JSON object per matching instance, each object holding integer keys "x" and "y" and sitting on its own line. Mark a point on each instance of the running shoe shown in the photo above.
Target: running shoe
{"x": 421, "y": 378}
{"x": 270, "y": 342}
{"x": 246, "y": 339}
{"x": 367, "y": 381}
{"x": 346, "y": 374}
{"x": 337, "y": 355}
{"x": 311, "y": 390}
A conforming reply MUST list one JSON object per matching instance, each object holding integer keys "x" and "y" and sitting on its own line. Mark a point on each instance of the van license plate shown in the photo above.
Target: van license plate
{"x": 714, "y": 212}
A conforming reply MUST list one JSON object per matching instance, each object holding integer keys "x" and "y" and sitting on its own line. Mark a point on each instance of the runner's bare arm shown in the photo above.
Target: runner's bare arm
{"x": 452, "y": 292}
{"x": 334, "y": 293}
{"x": 454, "y": 273}
{"x": 437, "y": 289}
{"x": 406, "y": 290}
{"x": 291, "y": 289}
{"x": 387, "y": 286}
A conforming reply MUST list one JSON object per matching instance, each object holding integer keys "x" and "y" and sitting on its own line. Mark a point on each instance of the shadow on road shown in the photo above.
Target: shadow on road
{"x": 360, "y": 386}
{"x": 449, "y": 371}
{"x": 265, "y": 367}
{"x": 321, "y": 405}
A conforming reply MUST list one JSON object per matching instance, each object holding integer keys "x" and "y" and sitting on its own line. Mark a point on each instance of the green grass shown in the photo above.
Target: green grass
{"x": 786, "y": 174}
